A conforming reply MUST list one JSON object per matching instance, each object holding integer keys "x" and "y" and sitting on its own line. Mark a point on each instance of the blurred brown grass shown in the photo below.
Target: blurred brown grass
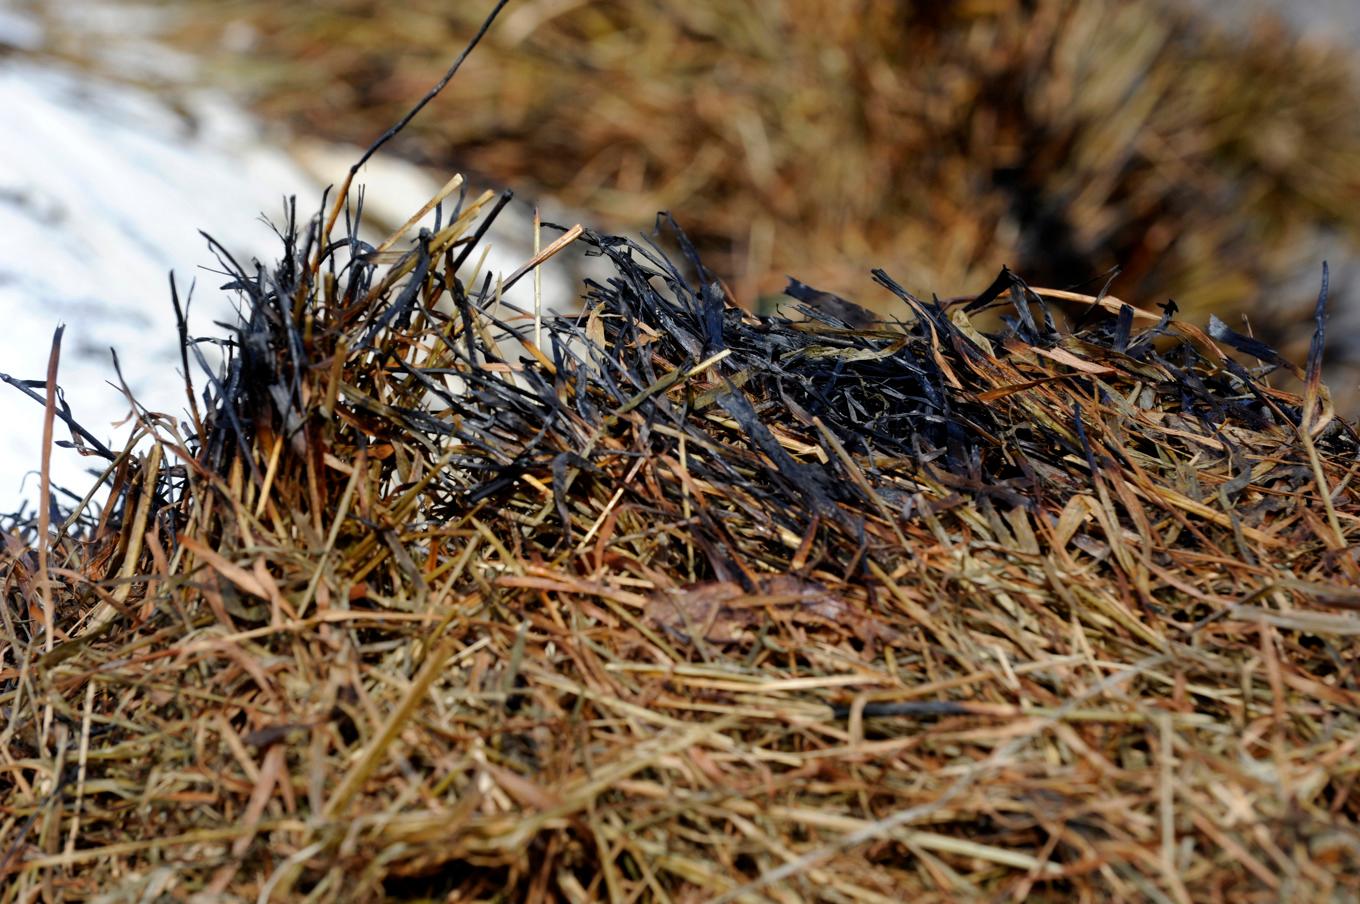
{"x": 823, "y": 137}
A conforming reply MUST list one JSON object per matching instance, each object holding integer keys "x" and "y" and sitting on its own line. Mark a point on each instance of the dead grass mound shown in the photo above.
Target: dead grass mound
{"x": 429, "y": 598}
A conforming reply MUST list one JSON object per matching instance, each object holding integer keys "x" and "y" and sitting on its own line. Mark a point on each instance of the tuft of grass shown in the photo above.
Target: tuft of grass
{"x": 691, "y": 604}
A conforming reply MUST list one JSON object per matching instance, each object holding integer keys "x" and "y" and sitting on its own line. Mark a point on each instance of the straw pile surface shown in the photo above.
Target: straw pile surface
{"x": 675, "y": 602}
{"x": 1061, "y": 138}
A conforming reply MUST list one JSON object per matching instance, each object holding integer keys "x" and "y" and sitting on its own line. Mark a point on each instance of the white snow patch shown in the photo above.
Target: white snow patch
{"x": 103, "y": 192}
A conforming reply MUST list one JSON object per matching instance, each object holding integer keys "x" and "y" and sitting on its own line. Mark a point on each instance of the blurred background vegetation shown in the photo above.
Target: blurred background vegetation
{"x": 1216, "y": 165}
{"x": 823, "y": 137}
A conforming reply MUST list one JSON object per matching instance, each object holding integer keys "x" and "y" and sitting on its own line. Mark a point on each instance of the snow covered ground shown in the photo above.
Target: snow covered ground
{"x": 103, "y": 192}
{"x": 104, "y": 189}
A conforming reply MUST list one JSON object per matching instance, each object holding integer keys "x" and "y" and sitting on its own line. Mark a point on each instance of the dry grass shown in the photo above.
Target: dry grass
{"x": 692, "y": 605}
